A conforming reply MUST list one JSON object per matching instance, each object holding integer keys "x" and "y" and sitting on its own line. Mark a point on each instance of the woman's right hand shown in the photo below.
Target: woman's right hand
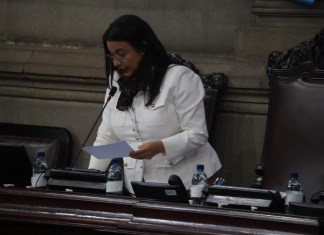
{"x": 148, "y": 150}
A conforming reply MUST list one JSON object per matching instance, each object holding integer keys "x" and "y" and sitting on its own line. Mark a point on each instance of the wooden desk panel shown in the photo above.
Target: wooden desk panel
{"x": 29, "y": 211}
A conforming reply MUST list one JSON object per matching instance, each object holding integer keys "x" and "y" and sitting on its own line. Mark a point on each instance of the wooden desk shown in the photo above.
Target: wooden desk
{"x": 30, "y": 211}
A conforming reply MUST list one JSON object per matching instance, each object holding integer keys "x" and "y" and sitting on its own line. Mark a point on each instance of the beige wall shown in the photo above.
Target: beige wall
{"x": 51, "y": 63}
{"x": 204, "y": 26}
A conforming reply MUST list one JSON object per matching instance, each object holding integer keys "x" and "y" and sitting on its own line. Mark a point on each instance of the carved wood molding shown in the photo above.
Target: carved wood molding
{"x": 311, "y": 52}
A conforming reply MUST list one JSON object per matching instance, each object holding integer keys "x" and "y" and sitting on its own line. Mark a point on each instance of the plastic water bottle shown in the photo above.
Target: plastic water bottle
{"x": 199, "y": 180}
{"x": 39, "y": 169}
{"x": 294, "y": 192}
{"x": 114, "y": 183}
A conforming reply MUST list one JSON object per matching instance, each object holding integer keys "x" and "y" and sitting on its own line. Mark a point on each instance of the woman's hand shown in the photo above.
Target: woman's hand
{"x": 148, "y": 150}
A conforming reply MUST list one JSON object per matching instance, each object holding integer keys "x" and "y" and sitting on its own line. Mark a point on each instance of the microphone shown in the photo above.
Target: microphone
{"x": 110, "y": 95}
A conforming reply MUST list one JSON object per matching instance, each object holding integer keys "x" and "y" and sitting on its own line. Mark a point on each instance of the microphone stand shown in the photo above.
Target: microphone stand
{"x": 111, "y": 94}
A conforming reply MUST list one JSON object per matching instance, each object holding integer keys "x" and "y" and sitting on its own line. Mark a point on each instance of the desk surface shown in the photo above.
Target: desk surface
{"x": 34, "y": 211}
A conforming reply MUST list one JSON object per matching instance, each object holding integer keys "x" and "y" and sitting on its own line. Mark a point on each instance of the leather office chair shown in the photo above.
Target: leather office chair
{"x": 294, "y": 139}
{"x": 214, "y": 84}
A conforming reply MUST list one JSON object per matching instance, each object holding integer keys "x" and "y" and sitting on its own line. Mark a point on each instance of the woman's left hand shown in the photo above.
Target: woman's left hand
{"x": 148, "y": 150}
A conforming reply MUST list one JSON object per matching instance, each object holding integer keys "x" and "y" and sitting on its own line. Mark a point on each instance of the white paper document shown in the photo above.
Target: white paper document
{"x": 116, "y": 150}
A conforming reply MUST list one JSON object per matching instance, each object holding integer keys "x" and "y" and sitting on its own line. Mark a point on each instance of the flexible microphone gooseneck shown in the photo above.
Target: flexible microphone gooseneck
{"x": 110, "y": 95}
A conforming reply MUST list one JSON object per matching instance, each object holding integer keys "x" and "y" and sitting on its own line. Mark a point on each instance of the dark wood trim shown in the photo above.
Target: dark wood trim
{"x": 39, "y": 211}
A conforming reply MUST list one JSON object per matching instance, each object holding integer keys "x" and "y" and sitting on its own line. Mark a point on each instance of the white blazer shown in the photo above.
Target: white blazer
{"x": 177, "y": 117}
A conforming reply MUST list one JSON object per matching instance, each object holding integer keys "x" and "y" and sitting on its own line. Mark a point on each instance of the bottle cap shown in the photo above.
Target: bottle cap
{"x": 200, "y": 167}
{"x": 294, "y": 175}
{"x": 41, "y": 154}
{"x": 114, "y": 160}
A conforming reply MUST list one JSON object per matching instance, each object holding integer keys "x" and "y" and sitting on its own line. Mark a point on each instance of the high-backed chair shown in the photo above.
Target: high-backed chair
{"x": 214, "y": 84}
{"x": 294, "y": 140}
{"x": 54, "y": 141}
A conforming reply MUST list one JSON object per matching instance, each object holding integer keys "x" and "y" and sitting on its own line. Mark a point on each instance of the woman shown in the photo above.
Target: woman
{"x": 158, "y": 108}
